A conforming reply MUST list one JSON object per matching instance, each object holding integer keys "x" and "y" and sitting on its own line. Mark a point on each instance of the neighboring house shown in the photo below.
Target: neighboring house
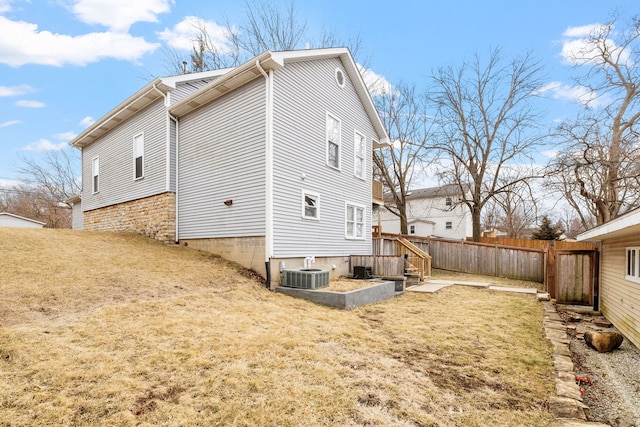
{"x": 435, "y": 212}
{"x": 619, "y": 294}
{"x": 11, "y": 220}
{"x": 77, "y": 217}
{"x": 265, "y": 164}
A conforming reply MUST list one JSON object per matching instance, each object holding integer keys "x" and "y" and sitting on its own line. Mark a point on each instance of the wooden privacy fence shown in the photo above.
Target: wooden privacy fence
{"x": 381, "y": 265}
{"x": 568, "y": 269}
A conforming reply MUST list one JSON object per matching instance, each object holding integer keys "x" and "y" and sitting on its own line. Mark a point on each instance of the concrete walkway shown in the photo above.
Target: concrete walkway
{"x": 566, "y": 405}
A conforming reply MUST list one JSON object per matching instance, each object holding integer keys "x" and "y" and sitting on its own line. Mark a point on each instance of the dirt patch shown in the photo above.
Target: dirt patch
{"x": 345, "y": 285}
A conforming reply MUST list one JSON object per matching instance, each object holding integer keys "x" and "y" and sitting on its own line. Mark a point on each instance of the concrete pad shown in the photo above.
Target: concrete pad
{"x": 531, "y": 291}
{"x": 427, "y": 288}
{"x": 459, "y": 282}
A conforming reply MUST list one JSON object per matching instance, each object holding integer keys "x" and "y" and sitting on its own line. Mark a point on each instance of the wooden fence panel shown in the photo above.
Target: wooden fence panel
{"x": 574, "y": 273}
{"x": 384, "y": 266}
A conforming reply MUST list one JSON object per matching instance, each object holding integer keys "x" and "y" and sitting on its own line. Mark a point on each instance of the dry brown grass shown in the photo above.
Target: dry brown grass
{"x": 495, "y": 281}
{"x": 106, "y": 329}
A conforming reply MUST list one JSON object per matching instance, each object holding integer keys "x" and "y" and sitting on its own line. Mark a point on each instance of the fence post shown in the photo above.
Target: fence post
{"x": 550, "y": 273}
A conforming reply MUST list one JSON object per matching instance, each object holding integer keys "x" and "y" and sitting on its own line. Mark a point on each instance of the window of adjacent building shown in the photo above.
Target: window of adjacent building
{"x": 138, "y": 156}
{"x": 448, "y": 225}
{"x": 333, "y": 141}
{"x": 95, "y": 173}
{"x": 359, "y": 150}
{"x": 354, "y": 222}
{"x": 412, "y": 229}
{"x": 448, "y": 201}
{"x": 633, "y": 264}
{"x": 310, "y": 208}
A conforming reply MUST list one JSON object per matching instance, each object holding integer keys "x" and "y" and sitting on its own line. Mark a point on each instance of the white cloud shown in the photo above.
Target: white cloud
{"x": 579, "y": 94}
{"x": 376, "y": 83}
{"x": 5, "y": 6}
{"x": 10, "y": 183}
{"x": 584, "y": 44}
{"x": 45, "y": 145}
{"x": 119, "y": 15}
{"x": 10, "y": 123}
{"x": 15, "y": 90}
{"x": 22, "y": 43}
{"x": 30, "y": 104}
{"x": 87, "y": 121}
{"x": 65, "y": 136}
{"x": 550, "y": 154}
{"x": 184, "y": 33}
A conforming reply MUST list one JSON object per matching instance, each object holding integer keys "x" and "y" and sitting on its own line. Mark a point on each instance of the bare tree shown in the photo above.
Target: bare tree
{"x": 518, "y": 207}
{"x": 403, "y": 112}
{"x": 34, "y": 203}
{"x": 600, "y": 165}
{"x": 266, "y": 26}
{"x": 56, "y": 176}
{"x": 486, "y": 121}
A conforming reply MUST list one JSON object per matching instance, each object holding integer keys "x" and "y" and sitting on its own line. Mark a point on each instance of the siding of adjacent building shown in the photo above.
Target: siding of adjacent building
{"x": 7, "y": 220}
{"x": 115, "y": 151}
{"x": 221, "y": 157}
{"x": 77, "y": 216}
{"x": 620, "y": 298}
{"x": 304, "y": 92}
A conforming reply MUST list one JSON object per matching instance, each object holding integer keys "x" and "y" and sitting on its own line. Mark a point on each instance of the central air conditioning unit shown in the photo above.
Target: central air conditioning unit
{"x": 305, "y": 279}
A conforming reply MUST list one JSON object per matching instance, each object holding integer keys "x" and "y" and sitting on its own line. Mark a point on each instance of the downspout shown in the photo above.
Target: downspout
{"x": 168, "y": 155}
{"x": 268, "y": 171}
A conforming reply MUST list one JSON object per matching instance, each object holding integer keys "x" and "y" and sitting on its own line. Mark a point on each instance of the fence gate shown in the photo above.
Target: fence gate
{"x": 572, "y": 279}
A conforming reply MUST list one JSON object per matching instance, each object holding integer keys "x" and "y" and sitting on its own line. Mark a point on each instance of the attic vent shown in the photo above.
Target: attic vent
{"x": 339, "y": 77}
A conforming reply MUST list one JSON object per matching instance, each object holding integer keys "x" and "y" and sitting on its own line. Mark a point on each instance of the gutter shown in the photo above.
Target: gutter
{"x": 268, "y": 170}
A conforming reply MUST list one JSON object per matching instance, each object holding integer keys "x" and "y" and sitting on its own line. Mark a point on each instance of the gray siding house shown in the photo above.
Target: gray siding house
{"x": 265, "y": 164}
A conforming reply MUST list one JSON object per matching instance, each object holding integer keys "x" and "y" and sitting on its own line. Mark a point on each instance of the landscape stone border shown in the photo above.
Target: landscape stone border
{"x": 567, "y": 405}
{"x": 378, "y": 291}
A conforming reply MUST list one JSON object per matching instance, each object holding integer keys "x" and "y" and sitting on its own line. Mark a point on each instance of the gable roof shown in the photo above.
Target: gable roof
{"x": 22, "y": 218}
{"x": 431, "y": 192}
{"x": 226, "y": 80}
{"x": 624, "y": 225}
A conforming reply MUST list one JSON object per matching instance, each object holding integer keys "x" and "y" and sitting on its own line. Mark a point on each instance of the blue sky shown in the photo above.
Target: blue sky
{"x": 65, "y": 63}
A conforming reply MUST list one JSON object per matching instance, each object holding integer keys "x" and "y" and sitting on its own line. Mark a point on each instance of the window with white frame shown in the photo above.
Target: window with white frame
{"x": 633, "y": 264}
{"x": 333, "y": 141}
{"x": 138, "y": 156}
{"x": 354, "y": 222}
{"x": 412, "y": 229}
{"x": 359, "y": 150}
{"x": 448, "y": 201}
{"x": 310, "y": 207}
{"x": 448, "y": 225}
{"x": 95, "y": 173}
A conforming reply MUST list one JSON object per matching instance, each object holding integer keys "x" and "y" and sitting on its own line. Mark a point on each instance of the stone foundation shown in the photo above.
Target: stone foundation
{"x": 153, "y": 216}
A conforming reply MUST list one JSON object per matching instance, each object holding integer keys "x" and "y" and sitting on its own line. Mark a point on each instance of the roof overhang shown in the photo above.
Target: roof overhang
{"x": 135, "y": 103}
{"x": 622, "y": 226}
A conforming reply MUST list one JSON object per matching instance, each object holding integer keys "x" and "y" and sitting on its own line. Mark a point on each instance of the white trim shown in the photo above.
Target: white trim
{"x": 177, "y": 239}
{"x": 338, "y": 143}
{"x": 22, "y": 217}
{"x": 95, "y": 171}
{"x": 268, "y": 161}
{"x": 316, "y": 198}
{"x": 135, "y": 137}
{"x": 347, "y": 205}
{"x": 356, "y": 158}
{"x": 624, "y": 225}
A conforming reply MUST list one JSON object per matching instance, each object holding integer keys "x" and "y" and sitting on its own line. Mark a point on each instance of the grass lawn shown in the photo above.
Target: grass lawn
{"x": 108, "y": 329}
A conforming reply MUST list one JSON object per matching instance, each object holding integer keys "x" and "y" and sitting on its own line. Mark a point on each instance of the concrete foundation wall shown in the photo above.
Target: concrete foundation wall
{"x": 337, "y": 266}
{"x": 153, "y": 216}
{"x": 246, "y": 251}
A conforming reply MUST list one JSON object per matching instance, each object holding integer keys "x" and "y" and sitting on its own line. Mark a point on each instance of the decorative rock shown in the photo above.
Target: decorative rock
{"x": 564, "y": 407}
{"x": 604, "y": 342}
{"x": 602, "y": 322}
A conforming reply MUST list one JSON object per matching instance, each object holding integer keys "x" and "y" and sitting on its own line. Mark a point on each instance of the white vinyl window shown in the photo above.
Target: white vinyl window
{"x": 412, "y": 229}
{"x": 448, "y": 201}
{"x": 448, "y": 225}
{"x": 333, "y": 141}
{"x": 359, "y": 150}
{"x": 633, "y": 264}
{"x": 354, "y": 226}
{"x": 138, "y": 156}
{"x": 95, "y": 173}
{"x": 310, "y": 206}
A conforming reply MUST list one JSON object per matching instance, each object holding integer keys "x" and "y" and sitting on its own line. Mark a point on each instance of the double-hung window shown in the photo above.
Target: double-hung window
{"x": 448, "y": 225}
{"x": 95, "y": 173}
{"x": 359, "y": 150}
{"x": 310, "y": 207}
{"x": 633, "y": 264}
{"x": 333, "y": 141}
{"x": 138, "y": 156}
{"x": 354, "y": 227}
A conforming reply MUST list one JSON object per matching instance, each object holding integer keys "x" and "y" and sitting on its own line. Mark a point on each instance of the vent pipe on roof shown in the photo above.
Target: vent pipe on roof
{"x": 184, "y": 67}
